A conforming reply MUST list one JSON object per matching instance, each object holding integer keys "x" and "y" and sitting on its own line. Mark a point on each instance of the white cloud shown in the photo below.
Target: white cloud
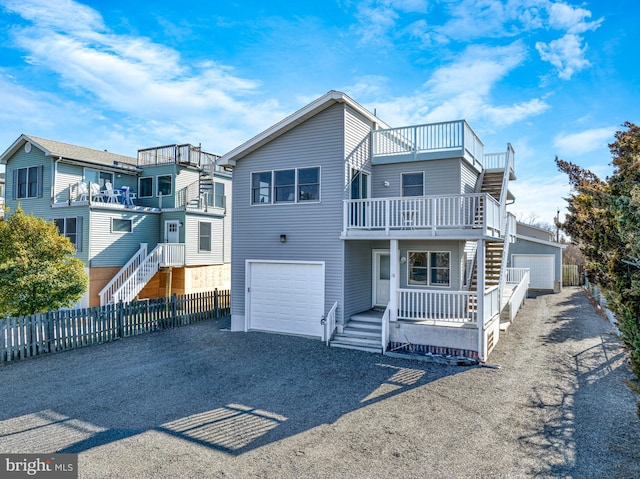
{"x": 571, "y": 19}
{"x": 583, "y": 142}
{"x": 540, "y": 197}
{"x": 566, "y": 54}
{"x": 149, "y": 84}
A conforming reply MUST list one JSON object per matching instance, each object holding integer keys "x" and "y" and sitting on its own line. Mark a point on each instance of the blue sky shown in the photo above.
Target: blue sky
{"x": 550, "y": 77}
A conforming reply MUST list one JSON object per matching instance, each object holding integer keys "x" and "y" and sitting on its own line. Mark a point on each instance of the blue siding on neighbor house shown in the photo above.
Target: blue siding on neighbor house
{"x": 36, "y": 206}
{"x": 312, "y": 229}
{"x": 109, "y": 248}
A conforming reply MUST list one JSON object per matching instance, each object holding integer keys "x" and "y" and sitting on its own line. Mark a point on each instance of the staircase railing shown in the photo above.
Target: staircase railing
{"x": 188, "y": 194}
{"x": 125, "y": 272}
{"x": 140, "y": 277}
{"x": 329, "y": 323}
{"x": 505, "y": 253}
{"x": 385, "y": 328}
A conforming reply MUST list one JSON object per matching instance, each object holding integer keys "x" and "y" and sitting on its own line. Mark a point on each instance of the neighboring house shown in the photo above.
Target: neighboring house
{"x": 144, "y": 227}
{"x": 398, "y": 236}
{"x": 536, "y": 249}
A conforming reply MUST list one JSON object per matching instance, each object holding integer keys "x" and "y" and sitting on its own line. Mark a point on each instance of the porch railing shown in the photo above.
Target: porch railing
{"x": 172, "y": 254}
{"x": 520, "y": 276}
{"x": 478, "y": 210}
{"x": 441, "y": 306}
{"x": 451, "y": 136}
{"x": 453, "y": 307}
{"x": 386, "y": 316}
{"x": 329, "y": 323}
{"x": 516, "y": 275}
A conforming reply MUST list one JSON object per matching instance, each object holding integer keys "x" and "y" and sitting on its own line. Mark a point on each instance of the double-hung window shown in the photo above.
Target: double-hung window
{"x": 429, "y": 268}
{"x": 99, "y": 177}
{"x": 164, "y": 185}
{"x": 412, "y": 184}
{"x": 296, "y": 185}
{"x": 28, "y": 182}
{"x": 218, "y": 195}
{"x": 204, "y": 236}
{"x": 71, "y": 228}
{"x": 145, "y": 187}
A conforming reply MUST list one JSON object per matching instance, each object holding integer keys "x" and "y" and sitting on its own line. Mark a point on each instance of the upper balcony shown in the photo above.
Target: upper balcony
{"x": 451, "y": 216}
{"x": 186, "y": 154}
{"x": 451, "y": 139}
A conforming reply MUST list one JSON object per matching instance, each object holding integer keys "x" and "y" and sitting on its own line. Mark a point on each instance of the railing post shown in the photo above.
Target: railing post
{"x": 394, "y": 260}
{"x": 345, "y": 216}
{"x": 480, "y": 299}
{"x": 387, "y": 215}
{"x": 433, "y": 216}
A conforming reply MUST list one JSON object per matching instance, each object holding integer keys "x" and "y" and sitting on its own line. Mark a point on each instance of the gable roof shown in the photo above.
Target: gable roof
{"x": 57, "y": 149}
{"x": 329, "y": 99}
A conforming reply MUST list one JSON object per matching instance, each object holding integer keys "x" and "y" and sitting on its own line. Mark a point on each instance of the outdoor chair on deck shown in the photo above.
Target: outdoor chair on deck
{"x": 83, "y": 192}
{"x": 113, "y": 196}
{"x": 95, "y": 192}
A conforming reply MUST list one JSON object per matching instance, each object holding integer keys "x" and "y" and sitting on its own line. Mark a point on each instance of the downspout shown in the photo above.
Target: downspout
{"x": 55, "y": 177}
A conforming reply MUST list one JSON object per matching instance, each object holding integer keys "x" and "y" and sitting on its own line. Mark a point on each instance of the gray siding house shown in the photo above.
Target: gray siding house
{"x": 372, "y": 237}
{"x": 536, "y": 249}
{"x": 144, "y": 227}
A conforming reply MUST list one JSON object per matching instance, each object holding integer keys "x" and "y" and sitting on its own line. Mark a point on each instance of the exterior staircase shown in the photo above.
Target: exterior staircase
{"x": 363, "y": 332}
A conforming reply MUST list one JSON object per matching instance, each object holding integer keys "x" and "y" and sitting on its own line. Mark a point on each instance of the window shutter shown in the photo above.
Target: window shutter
{"x": 14, "y": 186}
{"x": 40, "y": 180}
{"x": 79, "y": 234}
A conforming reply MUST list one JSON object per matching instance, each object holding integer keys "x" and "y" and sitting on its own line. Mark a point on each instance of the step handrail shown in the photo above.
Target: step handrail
{"x": 140, "y": 277}
{"x": 329, "y": 323}
{"x": 121, "y": 276}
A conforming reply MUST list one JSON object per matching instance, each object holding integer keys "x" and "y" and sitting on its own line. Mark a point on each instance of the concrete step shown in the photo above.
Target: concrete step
{"x": 361, "y": 331}
{"x": 369, "y": 349}
{"x": 367, "y": 317}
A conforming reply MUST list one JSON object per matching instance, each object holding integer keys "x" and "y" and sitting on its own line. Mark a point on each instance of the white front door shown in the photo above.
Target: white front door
{"x": 381, "y": 277}
{"x": 172, "y": 231}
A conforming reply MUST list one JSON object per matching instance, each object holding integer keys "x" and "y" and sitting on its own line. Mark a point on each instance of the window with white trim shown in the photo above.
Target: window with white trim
{"x": 429, "y": 268}
{"x": 204, "y": 236}
{"x": 219, "y": 199}
{"x": 28, "y": 182}
{"x": 413, "y": 184}
{"x": 70, "y": 228}
{"x": 164, "y": 185}
{"x": 296, "y": 185}
{"x": 145, "y": 187}
{"x": 99, "y": 177}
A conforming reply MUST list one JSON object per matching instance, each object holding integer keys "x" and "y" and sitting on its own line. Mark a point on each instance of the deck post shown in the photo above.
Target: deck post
{"x": 394, "y": 269}
{"x": 480, "y": 300}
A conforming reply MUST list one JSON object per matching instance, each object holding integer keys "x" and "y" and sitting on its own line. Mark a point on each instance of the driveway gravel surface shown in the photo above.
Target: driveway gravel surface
{"x": 202, "y": 402}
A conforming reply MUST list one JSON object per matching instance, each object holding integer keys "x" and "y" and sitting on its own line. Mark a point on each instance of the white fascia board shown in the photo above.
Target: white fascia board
{"x": 541, "y": 241}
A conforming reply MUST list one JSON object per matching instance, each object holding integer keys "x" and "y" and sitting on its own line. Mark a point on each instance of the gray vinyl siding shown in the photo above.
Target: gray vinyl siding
{"x": 456, "y": 248}
{"x": 37, "y": 206}
{"x": 357, "y": 146}
{"x": 312, "y": 229}
{"x": 227, "y": 222}
{"x": 469, "y": 178}
{"x": 358, "y": 276}
{"x": 441, "y": 177}
{"x": 114, "y": 248}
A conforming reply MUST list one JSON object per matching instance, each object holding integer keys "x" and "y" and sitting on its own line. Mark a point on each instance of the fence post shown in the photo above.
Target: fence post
{"x": 174, "y": 309}
{"x": 120, "y": 318}
{"x": 216, "y": 309}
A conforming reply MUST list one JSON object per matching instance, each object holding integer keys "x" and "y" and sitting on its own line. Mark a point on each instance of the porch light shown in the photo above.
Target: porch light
{"x": 403, "y": 260}
{"x": 283, "y": 238}
{"x": 385, "y": 183}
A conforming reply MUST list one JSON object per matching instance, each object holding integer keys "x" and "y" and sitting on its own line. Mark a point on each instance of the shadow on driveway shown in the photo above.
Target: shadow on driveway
{"x": 231, "y": 392}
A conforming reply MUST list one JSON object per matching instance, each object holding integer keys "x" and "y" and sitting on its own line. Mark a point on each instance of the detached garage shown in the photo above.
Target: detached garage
{"x": 285, "y": 297}
{"x": 535, "y": 249}
{"x": 542, "y": 274}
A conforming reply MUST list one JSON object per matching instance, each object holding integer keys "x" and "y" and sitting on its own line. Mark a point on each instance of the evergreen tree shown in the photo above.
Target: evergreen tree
{"x": 604, "y": 218}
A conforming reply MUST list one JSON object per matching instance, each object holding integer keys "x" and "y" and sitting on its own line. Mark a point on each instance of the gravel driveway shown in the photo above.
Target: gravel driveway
{"x": 202, "y": 402}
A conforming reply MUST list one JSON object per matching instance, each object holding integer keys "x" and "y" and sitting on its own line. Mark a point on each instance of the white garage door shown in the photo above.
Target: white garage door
{"x": 542, "y": 268}
{"x": 286, "y": 297}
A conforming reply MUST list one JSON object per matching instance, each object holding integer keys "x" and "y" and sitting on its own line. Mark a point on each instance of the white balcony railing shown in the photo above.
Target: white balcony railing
{"x": 478, "y": 210}
{"x": 172, "y": 254}
{"x": 447, "y": 307}
{"x": 455, "y": 137}
{"x": 440, "y": 306}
